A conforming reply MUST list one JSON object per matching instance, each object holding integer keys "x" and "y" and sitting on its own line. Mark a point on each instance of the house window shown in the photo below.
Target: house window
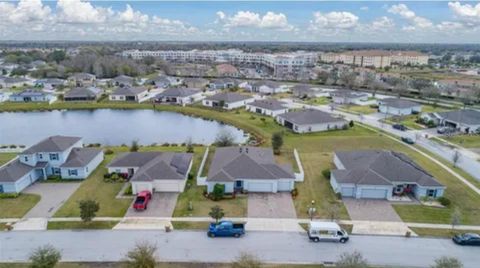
{"x": 86, "y": 169}
{"x": 53, "y": 156}
{"x": 1, "y": 188}
{"x": 55, "y": 170}
{"x": 72, "y": 172}
{"x": 431, "y": 193}
{"x": 25, "y": 158}
{"x": 40, "y": 156}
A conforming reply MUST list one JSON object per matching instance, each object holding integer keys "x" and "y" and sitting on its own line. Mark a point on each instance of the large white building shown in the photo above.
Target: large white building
{"x": 376, "y": 58}
{"x": 281, "y": 63}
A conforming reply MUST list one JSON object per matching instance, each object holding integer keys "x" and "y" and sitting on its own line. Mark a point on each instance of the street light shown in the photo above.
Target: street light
{"x": 312, "y": 210}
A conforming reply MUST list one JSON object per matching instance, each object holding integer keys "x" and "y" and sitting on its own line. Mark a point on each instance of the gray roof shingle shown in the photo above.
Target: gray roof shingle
{"x": 81, "y": 92}
{"x": 468, "y": 117}
{"x": 13, "y": 171}
{"x": 399, "y": 103}
{"x": 80, "y": 157}
{"x": 269, "y": 104}
{"x": 178, "y": 92}
{"x": 229, "y": 97}
{"x": 129, "y": 91}
{"x": 53, "y": 144}
{"x": 309, "y": 117}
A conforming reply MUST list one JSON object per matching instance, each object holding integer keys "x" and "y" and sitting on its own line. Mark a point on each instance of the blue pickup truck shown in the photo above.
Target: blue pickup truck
{"x": 226, "y": 229}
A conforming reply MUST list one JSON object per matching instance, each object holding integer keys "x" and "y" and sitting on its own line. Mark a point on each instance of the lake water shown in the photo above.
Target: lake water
{"x": 111, "y": 127}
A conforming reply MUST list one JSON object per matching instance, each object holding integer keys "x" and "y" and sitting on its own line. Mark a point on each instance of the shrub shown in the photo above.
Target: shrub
{"x": 129, "y": 190}
{"x": 345, "y": 127}
{"x": 8, "y": 195}
{"x": 444, "y": 201}
{"x": 351, "y": 124}
{"x": 13, "y": 146}
{"x": 218, "y": 192}
{"x": 326, "y": 173}
{"x": 190, "y": 176}
{"x": 294, "y": 192}
{"x": 54, "y": 178}
{"x": 45, "y": 257}
{"x": 143, "y": 255}
{"x": 107, "y": 175}
{"x": 108, "y": 151}
{"x": 88, "y": 209}
{"x": 339, "y": 196}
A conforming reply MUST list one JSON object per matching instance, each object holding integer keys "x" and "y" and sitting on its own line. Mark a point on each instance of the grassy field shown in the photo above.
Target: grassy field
{"x": 318, "y": 101}
{"x": 467, "y": 141}
{"x": 358, "y": 109}
{"x": 189, "y": 225}
{"x": 5, "y": 157}
{"x": 447, "y": 233}
{"x": 19, "y": 206}
{"x": 61, "y": 225}
{"x": 159, "y": 265}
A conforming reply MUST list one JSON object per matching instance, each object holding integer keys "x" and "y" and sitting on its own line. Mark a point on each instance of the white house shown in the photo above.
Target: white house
{"x": 179, "y": 96}
{"x": 50, "y": 83}
{"x": 348, "y": 97}
{"x": 397, "y": 106}
{"x": 305, "y": 121}
{"x": 82, "y": 79}
{"x": 269, "y": 87}
{"x": 4, "y": 96}
{"x": 224, "y": 83}
{"x": 467, "y": 120}
{"x": 32, "y": 95}
{"x": 154, "y": 171}
{"x": 129, "y": 94}
{"x": 227, "y": 100}
{"x": 9, "y": 82}
{"x": 123, "y": 81}
{"x": 248, "y": 169}
{"x": 270, "y": 107}
{"x": 381, "y": 175}
{"x": 56, "y": 155}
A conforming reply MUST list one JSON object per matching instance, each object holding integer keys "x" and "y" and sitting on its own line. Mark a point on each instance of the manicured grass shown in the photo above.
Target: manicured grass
{"x": 448, "y": 233}
{"x": 62, "y": 225}
{"x": 189, "y": 225}
{"x": 408, "y": 121}
{"x": 318, "y": 101}
{"x": 19, "y": 206}
{"x": 433, "y": 109}
{"x": 158, "y": 265}
{"x": 358, "y": 109}
{"x": 467, "y": 141}
{"x": 5, "y": 157}
{"x": 211, "y": 153}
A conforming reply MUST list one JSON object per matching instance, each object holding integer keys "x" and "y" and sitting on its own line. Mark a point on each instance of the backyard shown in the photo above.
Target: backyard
{"x": 5, "y": 157}
{"x": 357, "y": 109}
{"x": 467, "y": 141}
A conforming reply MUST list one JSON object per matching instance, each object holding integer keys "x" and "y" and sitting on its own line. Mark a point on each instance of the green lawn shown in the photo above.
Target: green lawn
{"x": 358, "y": 109}
{"x": 407, "y": 120}
{"x": 467, "y": 141}
{"x": 158, "y": 265}
{"x": 440, "y": 232}
{"x": 61, "y": 225}
{"x": 189, "y": 225}
{"x": 19, "y": 206}
{"x": 5, "y": 157}
{"x": 318, "y": 101}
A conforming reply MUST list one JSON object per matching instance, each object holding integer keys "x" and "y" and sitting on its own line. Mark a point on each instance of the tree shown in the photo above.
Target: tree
{"x": 246, "y": 260}
{"x": 142, "y": 256}
{"x": 348, "y": 78}
{"x": 45, "y": 257}
{"x": 88, "y": 209}
{"x": 190, "y": 148}
{"x": 456, "y": 158}
{"x": 216, "y": 213}
{"x": 224, "y": 138}
{"x": 431, "y": 92}
{"x": 57, "y": 56}
{"x": 134, "y": 147}
{"x": 277, "y": 142}
{"x": 218, "y": 191}
{"x": 456, "y": 217}
{"x": 148, "y": 60}
{"x": 447, "y": 262}
{"x": 352, "y": 260}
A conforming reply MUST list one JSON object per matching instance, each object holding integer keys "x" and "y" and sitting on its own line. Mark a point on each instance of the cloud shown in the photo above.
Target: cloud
{"x": 467, "y": 13}
{"x": 382, "y": 23}
{"x": 130, "y": 15}
{"x": 416, "y": 22}
{"x": 270, "y": 20}
{"x": 333, "y": 20}
{"x": 25, "y": 11}
{"x": 76, "y": 11}
{"x": 364, "y": 8}
{"x": 449, "y": 26}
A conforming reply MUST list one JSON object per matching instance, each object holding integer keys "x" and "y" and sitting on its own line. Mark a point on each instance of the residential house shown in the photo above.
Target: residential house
{"x": 179, "y": 96}
{"x": 82, "y": 79}
{"x": 227, "y": 70}
{"x": 227, "y": 100}
{"x": 154, "y": 171}
{"x": 224, "y": 83}
{"x": 195, "y": 82}
{"x": 50, "y": 83}
{"x": 10, "y": 82}
{"x": 129, "y": 94}
{"x": 32, "y": 95}
{"x": 305, "y": 121}
{"x": 268, "y": 87}
{"x": 56, "y": 155}
{"x": 123, "y": 81}
{"x": 381, "y": 175}
{"x": 304, "y": 91}
{"x": 270, "y": 107}
{"x": 397, "y": 106}
{"x": 349, "y": 97}
{"x": 248, "y": 169}
{"x": 163, "y": 81}
{"x": 82, "y": 94}
{"x": 467, "y": 120}
{"x": 4, "y": 96}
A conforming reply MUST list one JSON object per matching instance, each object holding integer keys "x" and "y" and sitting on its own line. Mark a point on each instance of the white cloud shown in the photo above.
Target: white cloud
{"x": 25, "y": 11}
{"x": 270, "y": 20}
{"x": 130, "y": 15}
{"x": 77, "y": 11}
{"x": 449, "y": 26}
{"x": 333, "y": 20}
{"x": 415, "y": 21}
{"x": 382, "y": 23}
{"x": 467, "y": 13}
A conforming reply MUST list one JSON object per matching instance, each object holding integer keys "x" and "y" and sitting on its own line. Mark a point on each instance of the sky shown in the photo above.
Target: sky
{"x": 310, "y": 21}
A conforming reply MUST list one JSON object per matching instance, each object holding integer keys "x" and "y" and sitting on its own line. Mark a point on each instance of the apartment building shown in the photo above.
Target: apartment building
{"x": 282, "y": 64}
{"x": 376, "y": 58}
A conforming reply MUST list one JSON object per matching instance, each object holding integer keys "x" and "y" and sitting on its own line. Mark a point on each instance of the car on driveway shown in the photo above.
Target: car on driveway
{"x": 142, "y": 199}
{"x": 445, "y": 130}
{"x": 400, "y": 127}
{"x": 467, "y": 239}
{"x": 408, "y": 140}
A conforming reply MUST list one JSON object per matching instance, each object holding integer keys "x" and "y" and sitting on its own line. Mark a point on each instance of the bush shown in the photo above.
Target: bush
{"x": 88, "y": 209}
{"x": 8, "y": 195}
{"x": 108, "y": 151}
{"x": 129, "y": 190}
{"x": 218, "y": 192}
{"x": 294, "y": 192}
{"x": 339, "y": 196}
{"x": 45, "y": 257}
{"x": 351, "y": 124}
{"x": 54, "y": 178}
{"x": 13, "y": 146}
{"x": 444, "y": 201}
{"x": 326, "y": 173}
{"x": 190, "y": 176}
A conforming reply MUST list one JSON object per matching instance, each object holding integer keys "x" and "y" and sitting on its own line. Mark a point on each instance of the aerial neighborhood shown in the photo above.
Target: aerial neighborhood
{"x": 337, "y": 143}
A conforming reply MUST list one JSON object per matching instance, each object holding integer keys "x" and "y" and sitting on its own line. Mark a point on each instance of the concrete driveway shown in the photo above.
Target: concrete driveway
{"x": 370, "y": 210}
{"x": 53, "y": 195}
{"x": 161, "y": 205}
{"x": 271, "y": 205}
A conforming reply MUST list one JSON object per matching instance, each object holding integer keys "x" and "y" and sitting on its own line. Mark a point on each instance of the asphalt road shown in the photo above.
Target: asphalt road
{"x": 278, "y": 247}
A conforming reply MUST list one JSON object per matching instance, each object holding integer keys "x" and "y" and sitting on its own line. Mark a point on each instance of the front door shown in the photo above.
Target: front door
{"x": 130, "y": 172}
{"x": 238, "y": 186}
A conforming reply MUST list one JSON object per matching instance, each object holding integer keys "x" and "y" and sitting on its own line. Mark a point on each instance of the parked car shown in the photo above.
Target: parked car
{"x": 326, "y": 231}
{"x": 226, "y": 229}
{"x": 445, "y": 130}
{"x": 142, "y": 199}
{"x": 400, "y": 127}
{"x": 467, "y": 239}
{"x": 408, "y": 140}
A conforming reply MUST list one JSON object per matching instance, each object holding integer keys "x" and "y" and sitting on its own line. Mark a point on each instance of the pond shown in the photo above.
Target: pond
{"x": 111, "y": 127}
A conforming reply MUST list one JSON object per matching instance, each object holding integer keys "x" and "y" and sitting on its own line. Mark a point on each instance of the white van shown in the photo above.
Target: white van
{"x": 326, "y": 231}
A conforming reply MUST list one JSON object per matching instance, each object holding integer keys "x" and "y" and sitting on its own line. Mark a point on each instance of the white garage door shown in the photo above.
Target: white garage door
{"x": 167, "y": 186}
{"x": 374, "y": 193}
{"x": 284, "y": 186}
{"x": 347, "y": 191}
{"x": 141, "y": 186}
{"x": 261, "y": 187}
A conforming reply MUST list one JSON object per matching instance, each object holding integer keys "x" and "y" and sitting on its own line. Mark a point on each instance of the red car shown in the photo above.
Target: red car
{"x": 142, "y": 199}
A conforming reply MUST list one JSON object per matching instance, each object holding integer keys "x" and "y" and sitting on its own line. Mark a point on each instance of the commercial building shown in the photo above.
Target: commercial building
{"x": 376, "y": 58}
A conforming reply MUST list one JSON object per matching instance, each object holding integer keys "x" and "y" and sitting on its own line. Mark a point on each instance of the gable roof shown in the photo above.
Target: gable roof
{"x": 398, "y": 103}
{"x": 80, "y": 157}
{"x": 178, "y": 92}
{"x": 231, "y": 163}
{"x": 229, "y": 97}
{"x": 376, "y": 167}
{"x": 349, "y": 94}
{"x": 13, "y": 171}
{"x": 469, "y": 117}
{"x": 129, "y": 91}
{"x": 269, "y": 104}
{"x": 31, "y": 93}
{"x": 269, "y": 84}
{"x": 52, "y": 144}
{"x": 124, "y": 79}
{"x": 81, "y": 92}
{"x": 310, "y": 116}
{"x": 83, "y": 76}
